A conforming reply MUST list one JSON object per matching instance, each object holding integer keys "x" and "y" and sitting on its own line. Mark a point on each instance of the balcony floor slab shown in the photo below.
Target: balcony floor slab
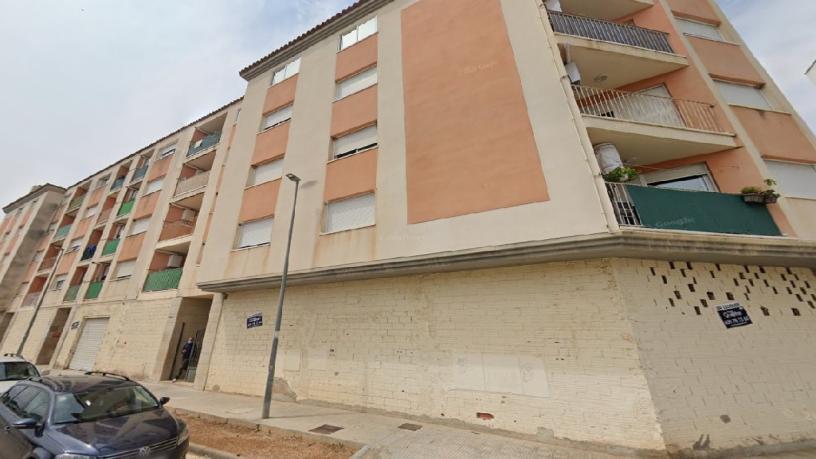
{"x": 605, "y": 9}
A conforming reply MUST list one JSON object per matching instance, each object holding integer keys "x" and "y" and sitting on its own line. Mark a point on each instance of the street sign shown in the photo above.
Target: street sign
{"x": 255, "y": 320}
{"x": 734, "y": 315}
{"x": 74, "y": 325}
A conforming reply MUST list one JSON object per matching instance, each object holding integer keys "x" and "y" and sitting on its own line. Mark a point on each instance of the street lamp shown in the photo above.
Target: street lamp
{"x": 270, "y": 377}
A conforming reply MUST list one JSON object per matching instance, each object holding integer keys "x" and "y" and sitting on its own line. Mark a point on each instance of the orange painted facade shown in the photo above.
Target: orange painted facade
{"x": 776, "y": 135}
{"x": 159, "y": 168}
{"x": 146, "y": 205}
{"x": 280, "y": 95}
{"x": 131, "y": 247}
{"x": 354, "y": 111}
{"x": 271, "y": 144}
{"x": 260, "y": 201}
{"x": 66, "y": 263}
{"x": 694, "y": 9}
{"x": 82, "y": 227}
{"x": 350, "y": 176}
{"x": 726, "y": 61}
{"x": 356, "y": 58}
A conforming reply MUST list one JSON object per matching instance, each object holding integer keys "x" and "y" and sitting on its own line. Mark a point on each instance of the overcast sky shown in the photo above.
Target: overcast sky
{"x": 86, "y": 82}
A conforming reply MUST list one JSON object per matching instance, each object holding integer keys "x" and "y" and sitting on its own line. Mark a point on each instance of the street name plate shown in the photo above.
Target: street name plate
{"x": 255, "y": 320}
{"x": 734, "y": 315}
{"x": 74, "y": 325}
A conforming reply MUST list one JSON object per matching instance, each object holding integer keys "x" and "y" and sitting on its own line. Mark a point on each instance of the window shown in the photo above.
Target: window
{"x": 266, "y": 172}
{"x": 277, "y": 117}
{"x": 91, "y": 211}
{"x": 75, "y": 244}
{"x": 167, "y": 151}
{"x": 350, "y": 213}
{"x": 154, "y": 186}
{"x": 356, "y": 83}
{"x": 689, "y": 178}
{"x": 103, "y": 181}
{"x": 699, "y": 29}
{"x": 287, "y": 71}
{"x": 58, "y": 282}
{"x": 139, "y": 226}
{"x": 357, "y": 141}
{"x": 795, "y": 180}
{"x": 359, "y": 33}
{"x": 125, "y": 269}
{"x": 251, "y": 234}
{"x": 738, "y": 94}
{"x": 96, "y": 405}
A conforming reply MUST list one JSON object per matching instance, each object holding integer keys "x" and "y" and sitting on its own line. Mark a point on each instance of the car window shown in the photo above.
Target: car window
{"x": 11, "y": 393}
{"x": 37, "y": 407}
{"x": 15, "y": 371}
{"x": 100, "y": 404}
{"x": 17, "y": 402}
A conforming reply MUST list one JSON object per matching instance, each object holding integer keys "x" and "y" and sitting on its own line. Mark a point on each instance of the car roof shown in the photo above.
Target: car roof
{"x": 84, "y": 383}
{"x": 11, "y": 358}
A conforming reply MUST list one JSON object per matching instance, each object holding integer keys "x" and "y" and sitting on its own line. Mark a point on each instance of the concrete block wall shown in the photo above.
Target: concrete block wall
{"x": 544, "y": 349}
{"x": 716, "y": 388}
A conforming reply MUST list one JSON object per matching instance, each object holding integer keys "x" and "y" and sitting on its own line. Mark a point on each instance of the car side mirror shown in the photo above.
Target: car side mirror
{"x": 25, "y": 423}
{"x": 164, "y": 401}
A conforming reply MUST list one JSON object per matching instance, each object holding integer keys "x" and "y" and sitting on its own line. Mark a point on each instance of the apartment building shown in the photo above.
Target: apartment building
{"x": 465, "y": 247}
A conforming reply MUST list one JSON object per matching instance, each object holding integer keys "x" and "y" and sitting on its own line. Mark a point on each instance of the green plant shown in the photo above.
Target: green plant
{"x": 759, "y": 195}
{"x": 751, "y": 190}
{"x": 621, "y": 174}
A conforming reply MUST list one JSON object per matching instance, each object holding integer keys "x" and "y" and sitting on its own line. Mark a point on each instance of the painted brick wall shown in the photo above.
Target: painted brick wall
{"x": 721, "y": 388}
{"x": 546, "y": 349}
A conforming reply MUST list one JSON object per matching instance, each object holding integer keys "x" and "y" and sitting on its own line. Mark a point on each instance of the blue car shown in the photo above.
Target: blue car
{"x": 96, "y": 416}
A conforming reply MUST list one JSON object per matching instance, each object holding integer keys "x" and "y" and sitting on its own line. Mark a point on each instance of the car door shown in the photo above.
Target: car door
{"x": 13, "y": 444}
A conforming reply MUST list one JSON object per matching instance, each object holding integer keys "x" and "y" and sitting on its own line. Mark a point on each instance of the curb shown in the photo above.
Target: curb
{"x": 210, "y": 452}
{"x": 360, "y": 453}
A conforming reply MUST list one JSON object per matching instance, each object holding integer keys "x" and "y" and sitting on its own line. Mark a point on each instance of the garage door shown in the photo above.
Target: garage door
{"x": 89, "y": 343}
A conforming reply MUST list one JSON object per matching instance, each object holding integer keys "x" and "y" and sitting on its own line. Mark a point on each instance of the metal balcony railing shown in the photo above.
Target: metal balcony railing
{"x": 126, "y": 208}
{"x": 71, "y": 293}
{"x": 598, "y": 29}
{"x": 644, "y": 108}
{"x": 117, "y": 184}
{"x": 110, "y": 247}
{"x": 163, "y": 280}
{"x": 193, "y": 183}
{"x": 47, "y": 263}
{"x": 667, "y": 209}
{"x": 31, "y": 299}
{"x": 139, "y": 174}
{"x": 204, "y": 144}
{"x": 75, "y": 203}
{"x": 62, "y": 232}
{"x": 172, "y": 230}
{"x": 94, "y": 288}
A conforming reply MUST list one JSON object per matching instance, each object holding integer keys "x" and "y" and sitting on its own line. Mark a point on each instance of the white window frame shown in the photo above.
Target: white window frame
{"x": 139, "y": 226}
{"x": 129, "y": 267}
{"x": 281, "y": 115}
{"x": 700, "y": 29}
{"x": 286, "y": 71}
{"x": 91, "y": 211}
{"x": 731, "y": 91}
{"x": 680, "y": 173}
{"x": 269, "y": 171}
{"x": 75, "y": 244}
{"x": 356, "y": 83}
{"x": 359, "y": 33}
{"x": 358, "y": 142}
{"x": 795, "y": 186}
{"x": 330, "y": 228}
{"x": 159, "y": 182}
{"x": 59, "y": 282}
{"x": 167, "y": 150}
{"x": 264, "y": 224}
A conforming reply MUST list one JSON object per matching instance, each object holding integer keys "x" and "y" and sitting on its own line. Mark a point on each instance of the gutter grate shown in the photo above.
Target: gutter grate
{"x": 326, "y": 429}
{"x": 411, "y": 427}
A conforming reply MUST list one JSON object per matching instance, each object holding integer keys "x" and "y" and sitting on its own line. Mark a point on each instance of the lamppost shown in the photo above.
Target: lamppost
{"x": 46, "y": 286}
{"x": 270, "y": 378}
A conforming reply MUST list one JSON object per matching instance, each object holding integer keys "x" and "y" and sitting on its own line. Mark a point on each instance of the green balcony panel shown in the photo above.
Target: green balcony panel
{"x": 162, "y": 280}
{"x": 71, "y": 293}
{"x": 94, "y": 288}
{"x": 126, "y": 208}
{"x": 62, "y": 232}
{"x": 660, "y": 208}
{"x": 110, "y": 247}
{"x": 76, "y": 202}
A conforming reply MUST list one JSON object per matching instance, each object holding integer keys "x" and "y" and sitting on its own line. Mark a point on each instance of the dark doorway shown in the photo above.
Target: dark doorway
{"x": 191, "y": 322}
{"x": 53, "y": 336}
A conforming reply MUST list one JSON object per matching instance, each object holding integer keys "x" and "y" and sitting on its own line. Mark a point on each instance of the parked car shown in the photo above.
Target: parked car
{"x": 14, "y": 368}
{"x": 95, "y": 416}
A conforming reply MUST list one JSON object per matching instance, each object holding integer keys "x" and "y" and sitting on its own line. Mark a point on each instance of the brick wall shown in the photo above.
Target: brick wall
{"x": 546, "y": 349}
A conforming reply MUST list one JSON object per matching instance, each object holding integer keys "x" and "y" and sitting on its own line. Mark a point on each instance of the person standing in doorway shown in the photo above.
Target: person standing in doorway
{"x": 186, "y": 353}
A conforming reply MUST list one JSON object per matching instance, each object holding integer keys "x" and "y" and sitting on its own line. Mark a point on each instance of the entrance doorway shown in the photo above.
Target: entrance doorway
{"x": 191, "y": 322}
{"x": 53, "y": 336}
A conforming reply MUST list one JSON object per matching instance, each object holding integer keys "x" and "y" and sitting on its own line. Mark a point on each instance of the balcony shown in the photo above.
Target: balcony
{"x": 117, "y": 184}
{"x": 126, "y": 208}
{"x": 71, "y": 293}
{"x": 94, "y": 289}
{"x": 62, "y": 232}
{"x": 650, "y": 129}
{"x": 611, "y": 54}
{"x": 75, "y": 203}
{"x": 189, "y": 192}
{"x": 88, "y": 253}
{"x": 139, "y": 174}
{"x": 204, "y": 144}
{"x": 31, "y": 299}
{"x": 47, "y": 263}
{"x": 665, "y": 209}
{"x": 103, "y": 216}
{"x": 110, "y": 247}
{"x": 162, "y": 280}
{"x": 177, "y": 229}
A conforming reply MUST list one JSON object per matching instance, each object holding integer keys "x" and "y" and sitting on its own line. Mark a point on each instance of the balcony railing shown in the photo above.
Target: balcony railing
{"x": 172, "y": 230}
{"x": 104, "y": 215}
{"x": 62, "y": 232}
{"x": 110, "y": 247}
{"x": 204, "y": 144}
{"x": 139, "y": 174}
{"x": 644, "y": 108}
{"x": 94, "y": 288}
{"x": 623, "y": 34}
{"x": 88, "y": 253}
{"x": 117, "y": 184}
{"x": 75, "y": 203}
{"x": 163, "y": 280}
{"x": 192, "y": 183}
{"x": 71, "y": 293}
{"x": 660, "y": 208}
{"x": 126, "y": 208}
{"x": 31, "y": 299}
{"x": 47, "y": 263}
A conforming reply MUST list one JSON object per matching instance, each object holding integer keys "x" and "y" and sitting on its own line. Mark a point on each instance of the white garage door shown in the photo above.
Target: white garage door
{"x": 89, "y": 343}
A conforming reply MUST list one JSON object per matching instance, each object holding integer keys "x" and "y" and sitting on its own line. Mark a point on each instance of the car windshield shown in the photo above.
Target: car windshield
{"x": 15, "y": 371}
{"x": 101, "y": 404}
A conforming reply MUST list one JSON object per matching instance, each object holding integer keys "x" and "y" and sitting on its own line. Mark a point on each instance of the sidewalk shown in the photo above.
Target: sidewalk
{"x": 381, "y": 434}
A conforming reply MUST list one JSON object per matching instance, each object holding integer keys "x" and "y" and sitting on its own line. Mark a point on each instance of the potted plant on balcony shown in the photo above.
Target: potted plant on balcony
{"x": 621, "y": 174}
{"x": 758, "y": 195}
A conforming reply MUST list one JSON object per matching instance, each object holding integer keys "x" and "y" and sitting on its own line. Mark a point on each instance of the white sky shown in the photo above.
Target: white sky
{"x": 84, "y": 83}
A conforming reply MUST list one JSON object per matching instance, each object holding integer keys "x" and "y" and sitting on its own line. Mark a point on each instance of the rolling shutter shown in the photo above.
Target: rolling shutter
{"x": 90, "y": 341}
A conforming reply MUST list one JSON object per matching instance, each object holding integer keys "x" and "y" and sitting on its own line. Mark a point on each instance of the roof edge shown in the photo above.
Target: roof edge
{"x": 33, "y": 193}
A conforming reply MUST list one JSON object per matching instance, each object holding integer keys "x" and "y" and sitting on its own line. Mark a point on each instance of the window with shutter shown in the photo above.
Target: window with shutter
{"x": 795, "y": 180}
{"x": 277, "y": 117}
{"x": 358, "y": 141}
{"x": 739, "y": 94}
{"x": 255, "y": 233}
{"x": 265, "y": 172}
{"x": 125, "y": 269}
{"x": 352, "y": 213}
{"x": 356, "y": 83}
{"x": 139, "y": 226}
